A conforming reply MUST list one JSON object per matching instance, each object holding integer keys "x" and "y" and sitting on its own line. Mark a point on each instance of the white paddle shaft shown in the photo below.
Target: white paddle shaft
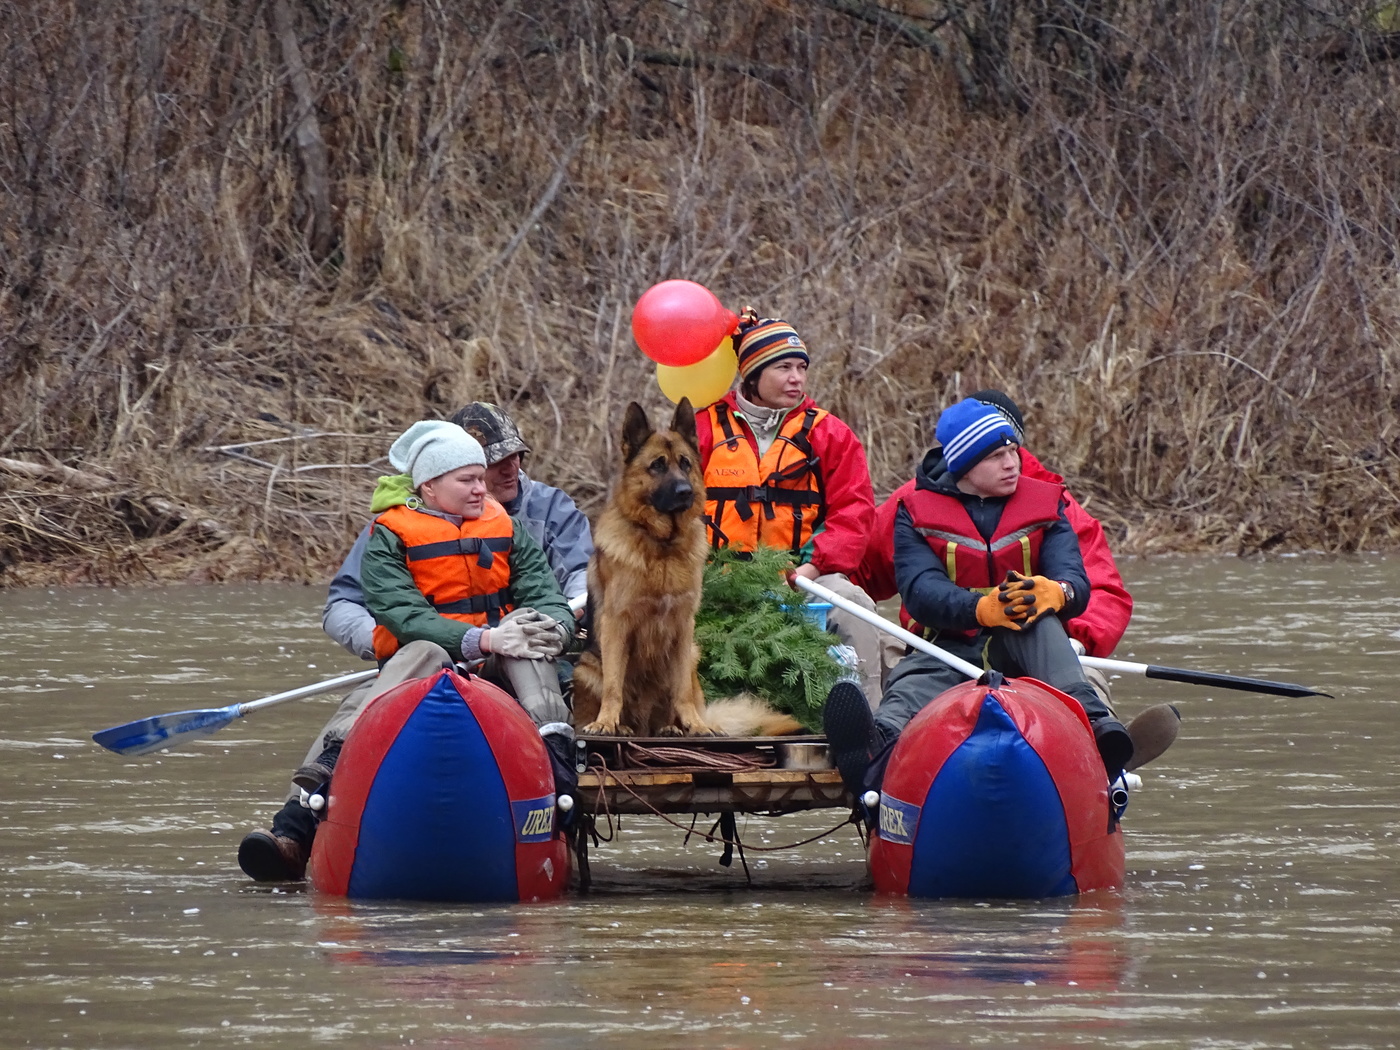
{"x": 327, "y": 686}
{"x": 354, "y": 678}
{"x": 1121, "y": 666}
{"x": 957, "y": 663}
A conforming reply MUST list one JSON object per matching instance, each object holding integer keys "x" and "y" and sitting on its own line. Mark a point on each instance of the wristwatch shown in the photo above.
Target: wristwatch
{"x": 1068, "y": 589}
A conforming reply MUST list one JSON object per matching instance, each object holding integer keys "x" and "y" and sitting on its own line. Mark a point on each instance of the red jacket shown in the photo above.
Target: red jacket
{"x": 850, "y": 501}
{"x": 1110, "y": 605}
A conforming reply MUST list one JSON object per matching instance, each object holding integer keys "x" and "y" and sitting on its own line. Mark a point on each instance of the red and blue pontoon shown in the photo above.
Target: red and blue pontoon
{"x": 443, "y": 792}
{"x": 997, "y": 791}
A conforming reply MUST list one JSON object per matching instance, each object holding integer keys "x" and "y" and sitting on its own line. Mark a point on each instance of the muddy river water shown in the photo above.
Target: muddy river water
{"x": 1261, "y": 907}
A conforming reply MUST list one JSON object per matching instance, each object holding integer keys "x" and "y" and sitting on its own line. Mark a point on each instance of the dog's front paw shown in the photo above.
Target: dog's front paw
{"x": 604, "y": 729}
{"x": 691, "y": 729}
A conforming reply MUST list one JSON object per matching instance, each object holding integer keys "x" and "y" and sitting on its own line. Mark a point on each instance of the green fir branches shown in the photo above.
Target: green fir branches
{"x": 754, "y": 636}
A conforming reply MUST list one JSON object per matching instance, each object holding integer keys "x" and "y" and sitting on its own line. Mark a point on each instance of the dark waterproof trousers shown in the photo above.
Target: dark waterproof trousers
{"x": 1043, "y": 652}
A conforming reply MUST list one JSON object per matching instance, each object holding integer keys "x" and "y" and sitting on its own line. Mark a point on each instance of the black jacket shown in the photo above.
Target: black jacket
{"x": 936, "y": 601}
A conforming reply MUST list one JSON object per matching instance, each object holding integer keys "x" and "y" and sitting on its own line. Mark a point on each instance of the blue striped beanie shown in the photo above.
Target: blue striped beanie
{"x": 968, "y": 431}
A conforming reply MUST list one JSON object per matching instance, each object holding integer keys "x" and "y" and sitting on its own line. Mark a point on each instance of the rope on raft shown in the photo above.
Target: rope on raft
{"x": 678, "y": 757}
{"x": 728, "y": 828}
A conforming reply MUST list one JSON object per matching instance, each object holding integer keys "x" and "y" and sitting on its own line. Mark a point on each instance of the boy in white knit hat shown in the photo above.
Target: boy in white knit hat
{"x": 449, "y": 576}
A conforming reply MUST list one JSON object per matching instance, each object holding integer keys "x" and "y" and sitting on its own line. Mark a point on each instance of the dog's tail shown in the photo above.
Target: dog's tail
{"x": 747, "y": 715}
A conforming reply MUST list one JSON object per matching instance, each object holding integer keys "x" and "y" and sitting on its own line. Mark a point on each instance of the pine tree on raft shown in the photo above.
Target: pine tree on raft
{"x": 754, "y": 637}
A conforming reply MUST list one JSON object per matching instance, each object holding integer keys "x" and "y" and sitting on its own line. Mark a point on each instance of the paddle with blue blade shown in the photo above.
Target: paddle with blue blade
{"x": 160, "y": 732}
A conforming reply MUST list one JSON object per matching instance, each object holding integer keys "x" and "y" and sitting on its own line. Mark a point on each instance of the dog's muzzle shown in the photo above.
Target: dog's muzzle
{"x": 673, "y": 496}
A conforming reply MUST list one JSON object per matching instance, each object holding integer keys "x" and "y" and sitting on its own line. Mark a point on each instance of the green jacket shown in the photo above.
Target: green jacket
{"x": 397, "y": 603}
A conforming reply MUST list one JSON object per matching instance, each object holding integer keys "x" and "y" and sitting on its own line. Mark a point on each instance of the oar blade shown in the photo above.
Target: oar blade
{"x": 162, "y": 731}
{"x": 1230, "y": 681}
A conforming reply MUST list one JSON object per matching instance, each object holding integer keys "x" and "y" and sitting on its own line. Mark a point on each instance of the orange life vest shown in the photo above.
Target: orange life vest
{"x": 463, "y": 571}
{"x": 974, "y": 562}
{"x": 786, "y": 484}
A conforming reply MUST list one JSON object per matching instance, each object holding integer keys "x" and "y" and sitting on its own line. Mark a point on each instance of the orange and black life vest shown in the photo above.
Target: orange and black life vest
{"x": 778, "y": 501}
{"x": 464, "y": 571}
{"x": 972, "y": 561}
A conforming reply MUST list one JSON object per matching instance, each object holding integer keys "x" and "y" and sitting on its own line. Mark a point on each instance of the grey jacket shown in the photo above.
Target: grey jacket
{"x": 552, "y": 519}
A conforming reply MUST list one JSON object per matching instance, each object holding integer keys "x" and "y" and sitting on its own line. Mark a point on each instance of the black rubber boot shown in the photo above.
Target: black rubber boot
{"x": 851, "y": 735}
{"x": 1114, "y": 744}
{"x": 561, "y": 760}
{"x": 265, "y": 857}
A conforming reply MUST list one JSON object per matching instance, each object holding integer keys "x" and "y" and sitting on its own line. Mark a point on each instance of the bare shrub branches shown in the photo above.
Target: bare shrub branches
{"x": 1169, "y": 231}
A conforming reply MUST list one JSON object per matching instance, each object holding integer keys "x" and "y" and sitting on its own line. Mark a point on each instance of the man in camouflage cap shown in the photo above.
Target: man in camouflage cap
{"x": 490, "y": 425}
{"x": 505, "y": 450}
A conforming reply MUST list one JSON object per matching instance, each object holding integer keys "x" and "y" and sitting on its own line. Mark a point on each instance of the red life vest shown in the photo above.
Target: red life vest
{"x": 974, "y": 562}
{"x": 786, "y": 484}
{"x": 464, "y": 571}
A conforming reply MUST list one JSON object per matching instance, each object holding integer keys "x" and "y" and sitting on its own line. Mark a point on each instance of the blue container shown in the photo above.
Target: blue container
{"x": 814, "y": 611}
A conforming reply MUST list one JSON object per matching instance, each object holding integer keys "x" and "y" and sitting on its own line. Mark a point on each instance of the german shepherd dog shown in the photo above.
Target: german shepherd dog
{"x": 638, "y": 675}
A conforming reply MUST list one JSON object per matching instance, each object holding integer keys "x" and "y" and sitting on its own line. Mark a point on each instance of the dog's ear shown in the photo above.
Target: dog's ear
{"x": 683, "y": 423}
{"x": 636, "y": 428}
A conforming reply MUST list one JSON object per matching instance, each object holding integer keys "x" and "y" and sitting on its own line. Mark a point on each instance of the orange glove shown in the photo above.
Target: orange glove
{"x": 1028, "y": 598}
{"x": 992, "y": 612}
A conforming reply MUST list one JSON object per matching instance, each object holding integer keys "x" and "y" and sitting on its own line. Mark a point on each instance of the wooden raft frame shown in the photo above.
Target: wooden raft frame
{"x": 611, "y": 782}
{"x": 687, "y": 775}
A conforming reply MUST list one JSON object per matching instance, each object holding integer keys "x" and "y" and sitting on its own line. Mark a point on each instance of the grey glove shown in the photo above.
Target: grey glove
{"x": 550, "y": 637}
{"x": 551, "y": 634}
{"x": 533, "y": 636}
{"x": 526, "y": 615}
{"x": 512, "y": 638}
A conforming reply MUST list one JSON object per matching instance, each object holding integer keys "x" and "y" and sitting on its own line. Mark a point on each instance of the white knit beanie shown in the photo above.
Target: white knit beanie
{"x": 432, "y": 447}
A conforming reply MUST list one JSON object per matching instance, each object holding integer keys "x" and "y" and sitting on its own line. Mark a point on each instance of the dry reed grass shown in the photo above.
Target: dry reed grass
{"x": 1168, "y": 230}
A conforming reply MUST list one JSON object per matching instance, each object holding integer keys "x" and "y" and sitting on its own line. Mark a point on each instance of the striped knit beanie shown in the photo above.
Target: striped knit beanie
{"x": 969, "y": 431}
{"x": 767, "y": 341}
{"x": 1009, "y": 408}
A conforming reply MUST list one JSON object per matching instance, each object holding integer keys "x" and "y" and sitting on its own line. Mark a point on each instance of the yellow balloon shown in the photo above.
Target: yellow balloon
{"x": 704, "y": 382}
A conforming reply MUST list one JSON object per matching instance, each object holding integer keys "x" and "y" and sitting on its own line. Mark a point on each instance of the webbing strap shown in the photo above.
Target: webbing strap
{"x": 482, "y": 547}
{"x": 724, "y": 422}
{"x": 490, "y": 604}
{"x": 717, "y": 538}
{"x": 764, "y": 494}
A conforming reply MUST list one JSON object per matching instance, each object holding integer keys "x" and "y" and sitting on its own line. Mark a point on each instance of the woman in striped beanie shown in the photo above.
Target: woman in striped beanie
{"x": 782, "y": 472}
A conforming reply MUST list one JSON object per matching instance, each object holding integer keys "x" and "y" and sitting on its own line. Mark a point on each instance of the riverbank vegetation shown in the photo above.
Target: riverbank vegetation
{"x": 242, "y": 245}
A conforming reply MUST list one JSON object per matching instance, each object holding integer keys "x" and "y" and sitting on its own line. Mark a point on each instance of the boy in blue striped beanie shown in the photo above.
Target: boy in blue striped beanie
{"x": 970, "y": 431}
{"x": 987, "y": 560}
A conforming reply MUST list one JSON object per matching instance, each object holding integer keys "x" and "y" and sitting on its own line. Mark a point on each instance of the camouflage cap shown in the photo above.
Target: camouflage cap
{"x": 490, "y": 425}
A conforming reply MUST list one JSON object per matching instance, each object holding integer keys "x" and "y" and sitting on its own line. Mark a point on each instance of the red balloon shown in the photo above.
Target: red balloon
{"x": 678, "y": 323}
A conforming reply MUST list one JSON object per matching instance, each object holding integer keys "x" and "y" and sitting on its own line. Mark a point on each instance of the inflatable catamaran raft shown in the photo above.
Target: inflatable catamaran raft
{"x": 444, "y": 791}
